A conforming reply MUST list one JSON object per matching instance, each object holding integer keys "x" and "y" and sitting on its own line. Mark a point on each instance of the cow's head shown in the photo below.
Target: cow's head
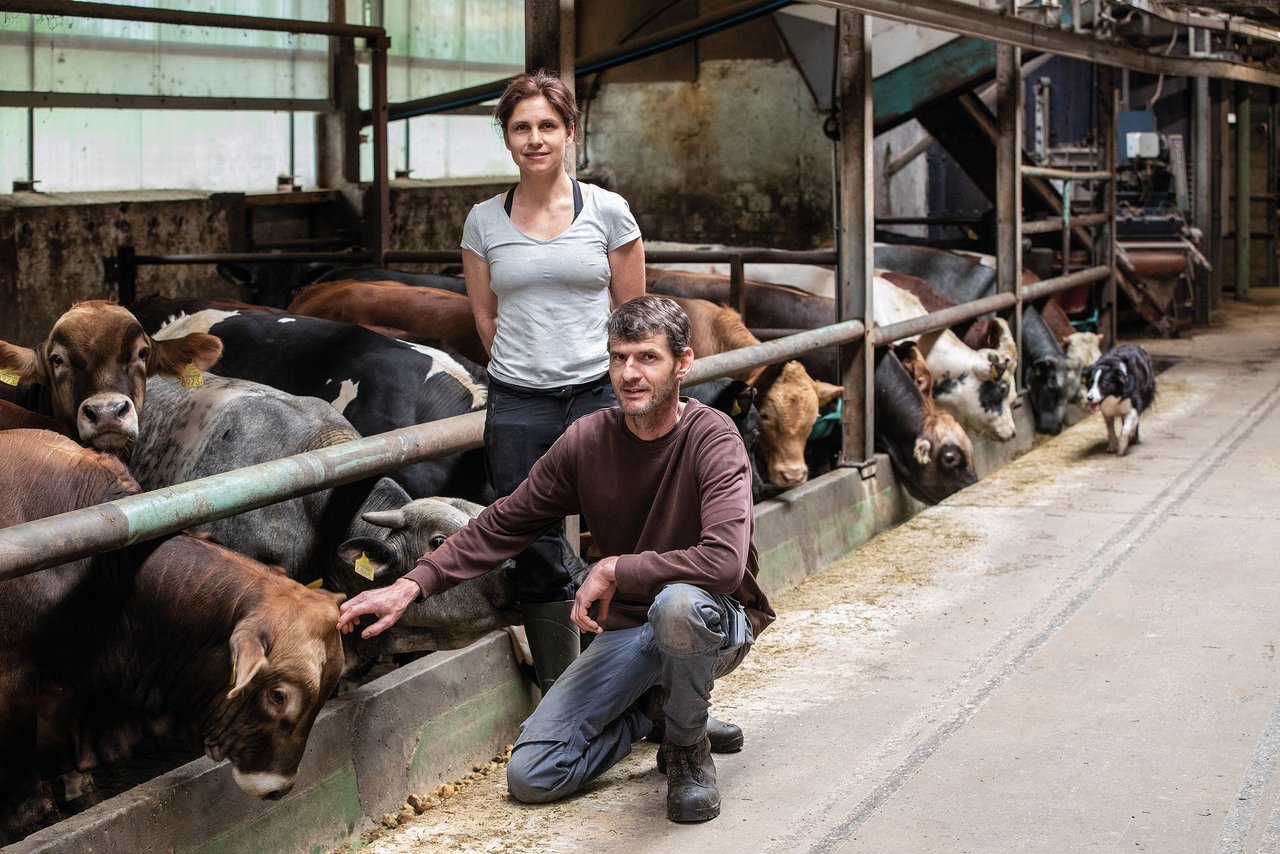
{"x": 1085, "y": 348}
{"x": 984, "y": 407}
{"x": 943, "y": 459}
{"x": 1052, "y": 383}
{"x": 286, "y": 659}
{"x": 91, "y": 371}
{"x": 930, "y": 450}
{"x": 392, "y": 539}
{"x": 788, "y": 401}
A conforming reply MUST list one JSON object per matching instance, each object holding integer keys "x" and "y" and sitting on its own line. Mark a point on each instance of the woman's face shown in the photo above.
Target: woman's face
{"x": 537, "y": 136}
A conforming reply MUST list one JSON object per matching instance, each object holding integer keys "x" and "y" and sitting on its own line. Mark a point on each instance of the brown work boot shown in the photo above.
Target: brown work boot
{"x": 691, "y": 782}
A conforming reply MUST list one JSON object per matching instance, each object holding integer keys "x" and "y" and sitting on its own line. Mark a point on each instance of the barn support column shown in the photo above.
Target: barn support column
{"x": 856, "y": 212}
{"x": 338, "y": 132}
{"x": 380, "y": 216}
{"x": 1272, "y": 222}
{"x": 1009, "y": 179}
{"x": 1201, "y": 188}
{"x": 1105, "y": 248}
{"x": 1243, "y": 221}
{"x": 1221, "y": 192}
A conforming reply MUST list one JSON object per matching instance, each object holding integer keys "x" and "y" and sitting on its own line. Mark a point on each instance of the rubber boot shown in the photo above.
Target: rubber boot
{"x": 553, "y": 639}
{"x": 691, "y": 782}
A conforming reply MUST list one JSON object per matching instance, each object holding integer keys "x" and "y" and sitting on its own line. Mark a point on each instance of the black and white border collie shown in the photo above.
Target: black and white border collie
{"x": 1122, "y": 385}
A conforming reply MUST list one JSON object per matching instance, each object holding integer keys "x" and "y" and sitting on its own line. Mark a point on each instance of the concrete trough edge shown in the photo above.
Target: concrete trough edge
{"x": 428, "y": 722}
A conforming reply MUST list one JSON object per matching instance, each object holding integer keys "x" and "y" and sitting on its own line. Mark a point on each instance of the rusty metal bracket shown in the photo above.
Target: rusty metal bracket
{"x": 866, "y": 468}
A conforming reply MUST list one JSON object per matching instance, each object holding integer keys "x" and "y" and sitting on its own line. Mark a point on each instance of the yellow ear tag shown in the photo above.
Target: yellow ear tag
{"x": 9, "y": 377}
{"x": 364, "y": 567}
{"x": 315, "y": 585}
{"x": 191, "y": 376}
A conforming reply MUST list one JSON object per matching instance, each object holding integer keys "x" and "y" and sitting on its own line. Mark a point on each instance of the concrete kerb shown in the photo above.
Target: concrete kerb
{"x": 430, "y": 721}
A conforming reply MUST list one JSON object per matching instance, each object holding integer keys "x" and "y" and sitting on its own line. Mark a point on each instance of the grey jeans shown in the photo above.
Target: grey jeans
{"x": 589, "y": 719}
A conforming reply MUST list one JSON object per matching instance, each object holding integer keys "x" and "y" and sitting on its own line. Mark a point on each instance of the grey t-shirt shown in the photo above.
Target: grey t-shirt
{"x": 553, "y": 295}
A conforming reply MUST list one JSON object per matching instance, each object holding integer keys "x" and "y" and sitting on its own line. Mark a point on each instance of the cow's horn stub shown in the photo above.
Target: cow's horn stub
{"x": 393, "y": 519}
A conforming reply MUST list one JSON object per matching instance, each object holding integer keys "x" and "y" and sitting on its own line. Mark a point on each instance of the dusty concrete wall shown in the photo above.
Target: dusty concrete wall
{"x": 53, "y": 246}
{"x": 430, "y": 216}
{"x": 736, "y": 157}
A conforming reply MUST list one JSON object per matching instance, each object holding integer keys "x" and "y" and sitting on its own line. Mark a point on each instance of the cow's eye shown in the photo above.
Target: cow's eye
{"x": 437, "y": 541}
{"x": 55, "y": 360}
{"x": 143, "y": 354}
{"x": 278, "y": 697}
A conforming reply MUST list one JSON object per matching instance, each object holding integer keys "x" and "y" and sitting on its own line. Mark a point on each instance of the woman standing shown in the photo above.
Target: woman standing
{"x": 545, "y": 263}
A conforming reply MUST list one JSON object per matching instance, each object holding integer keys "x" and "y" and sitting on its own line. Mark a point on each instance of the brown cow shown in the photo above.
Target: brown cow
{"x": 14, "y": 417}
{"x": 182, "y": 637}
{"x": 788, "y": 397}
{"x": 428, "y": 315}
{"x": 90, "y": 374}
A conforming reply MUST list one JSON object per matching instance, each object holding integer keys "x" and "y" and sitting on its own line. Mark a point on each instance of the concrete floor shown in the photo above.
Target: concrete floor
{"x": 1076, "y": 654}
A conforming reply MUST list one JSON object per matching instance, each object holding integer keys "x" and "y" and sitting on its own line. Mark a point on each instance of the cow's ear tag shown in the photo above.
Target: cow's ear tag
{"x": 315, "y": 585}
{"x": 364, "y": 566}
{"x": 191, "y": 376}
{"x": 9, "y": 377}
{"x": 736, "y": 411}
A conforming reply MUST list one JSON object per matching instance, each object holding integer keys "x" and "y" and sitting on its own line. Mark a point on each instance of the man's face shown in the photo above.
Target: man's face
{"x": 645, "y": 375}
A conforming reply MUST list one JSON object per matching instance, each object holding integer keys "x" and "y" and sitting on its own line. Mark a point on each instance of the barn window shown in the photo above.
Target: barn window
{"x": 87, "y": 103}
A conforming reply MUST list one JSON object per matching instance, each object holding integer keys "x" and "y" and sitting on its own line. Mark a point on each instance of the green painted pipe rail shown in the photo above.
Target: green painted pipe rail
{"x": 43, "y": 543}
{"x": 57, "y": 539}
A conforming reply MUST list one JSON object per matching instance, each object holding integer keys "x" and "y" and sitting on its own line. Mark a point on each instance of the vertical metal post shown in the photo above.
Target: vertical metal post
{"x": 1066, "y": 227}
{"x": 854, "y": 163}
{"x": 1273, "y": 189}
{"x": 1221, "y": 187}
{"x": 1009, "y": 121}
{"x": 568, "y": 65}
{"x": 1243, "y": 220}
{"x": 542, "y": 36}
{"x": 126, "y": 276}
{"x": 380, "y": 225}
{"x": 1201, "y": 187}
{"x": 737, "y": 293}
{"x": 1106, "y": 245}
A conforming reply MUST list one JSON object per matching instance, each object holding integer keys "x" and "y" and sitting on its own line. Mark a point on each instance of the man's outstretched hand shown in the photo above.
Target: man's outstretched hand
{"x": 386, "y": 603}
{"x": 597, "y": 589}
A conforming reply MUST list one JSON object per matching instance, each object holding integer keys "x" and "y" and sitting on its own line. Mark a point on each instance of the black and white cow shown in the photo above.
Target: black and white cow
{"x": 377, "y": 383}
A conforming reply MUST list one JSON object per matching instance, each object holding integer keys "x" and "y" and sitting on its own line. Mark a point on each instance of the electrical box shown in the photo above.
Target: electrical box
{"x": 1142, "y": 144}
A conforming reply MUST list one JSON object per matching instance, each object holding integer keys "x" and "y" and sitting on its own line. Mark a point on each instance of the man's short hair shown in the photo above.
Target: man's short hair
{"x": 648, "y": 315}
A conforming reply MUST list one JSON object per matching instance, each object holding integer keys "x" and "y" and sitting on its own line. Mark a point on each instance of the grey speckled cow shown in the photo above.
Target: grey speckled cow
{"x": 229, "y": 423}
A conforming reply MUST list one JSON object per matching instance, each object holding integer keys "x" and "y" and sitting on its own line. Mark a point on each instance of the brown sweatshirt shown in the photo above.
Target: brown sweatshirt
{"x": 674, "y": 509}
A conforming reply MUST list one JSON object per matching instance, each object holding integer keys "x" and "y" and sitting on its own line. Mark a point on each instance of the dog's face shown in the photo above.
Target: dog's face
{"x": 1106, "y": 380}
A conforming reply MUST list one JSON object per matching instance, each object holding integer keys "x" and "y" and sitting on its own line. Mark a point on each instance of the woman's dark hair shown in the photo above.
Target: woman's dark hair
{"x": 540, "y": 82}
{"x": 647, "y": 315}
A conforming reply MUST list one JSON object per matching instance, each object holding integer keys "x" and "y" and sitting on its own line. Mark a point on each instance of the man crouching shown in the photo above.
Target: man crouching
{"x": 664, "y": 485}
